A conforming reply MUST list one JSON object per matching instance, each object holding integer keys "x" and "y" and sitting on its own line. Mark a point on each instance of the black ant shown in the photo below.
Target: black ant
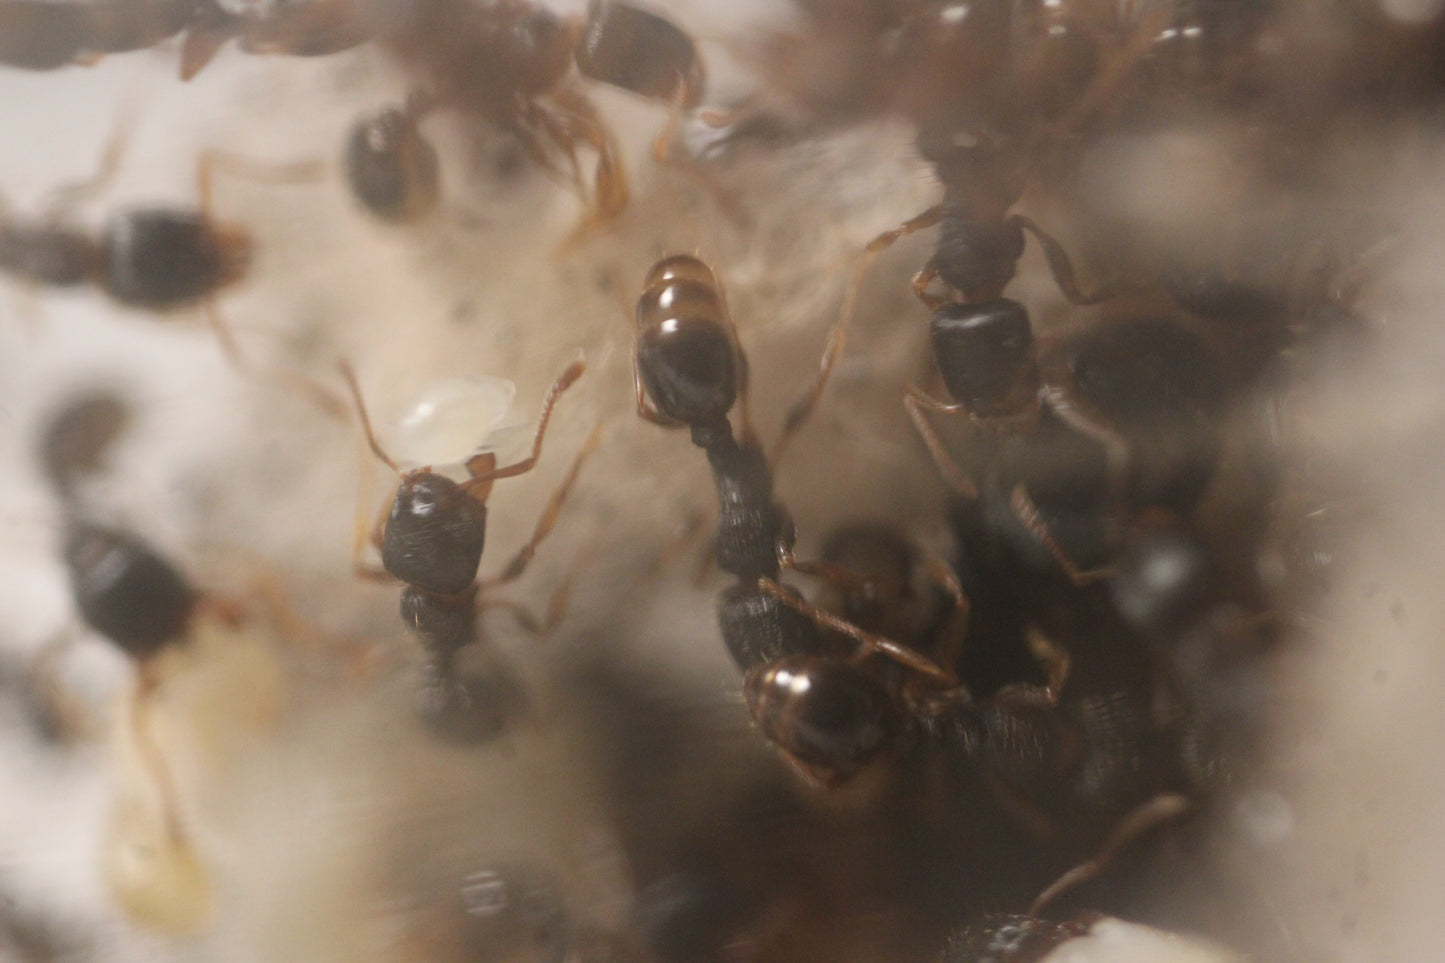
{"x": 509, "y": 64}
{"x": 156, "y": 258}
{"x": 432, "y": 540}
{"x": 41, "y": 35}
{"x": 690, "y": 367}
{"x": 135, "y": 598}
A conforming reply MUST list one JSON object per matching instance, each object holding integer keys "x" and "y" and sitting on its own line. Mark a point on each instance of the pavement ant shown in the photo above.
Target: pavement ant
{"x": 432, "y": 540}
{"x": 40, "y": 35}
{"x": 509, "y": 64}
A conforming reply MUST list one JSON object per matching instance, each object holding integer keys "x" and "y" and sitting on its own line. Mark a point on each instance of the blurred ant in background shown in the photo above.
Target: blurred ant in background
{"x": 510, "y": 64}
{"x": 432, "y": 540}
{"x": 40, "y": 35}
{"x": 155, "y": 258}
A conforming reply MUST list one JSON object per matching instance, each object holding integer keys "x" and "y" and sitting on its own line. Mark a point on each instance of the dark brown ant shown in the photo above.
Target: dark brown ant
{"x": 690, "y": 367}
{"x": 509, "y": 64}
{"x": 432, "y": 540}
{"x": 155, "y": 258}
{"x": 41, "y": 35}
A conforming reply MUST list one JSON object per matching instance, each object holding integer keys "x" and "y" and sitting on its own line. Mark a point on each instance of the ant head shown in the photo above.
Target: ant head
{"x": 831, "y": 718}
{"x": 686, "y": 356}
{"x": 390, "y": 167}
{"x": 125, "y": 591}
{"x": 435, "y": 534}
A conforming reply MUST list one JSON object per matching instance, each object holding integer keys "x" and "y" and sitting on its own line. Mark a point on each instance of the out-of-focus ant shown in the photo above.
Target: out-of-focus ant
{"x": 41, "y": 35}
{"x": 155, "y": 258}
{"x": 510, "y": 64}
{"x": 205, "y": 685}
{"x": 432, "y": 540}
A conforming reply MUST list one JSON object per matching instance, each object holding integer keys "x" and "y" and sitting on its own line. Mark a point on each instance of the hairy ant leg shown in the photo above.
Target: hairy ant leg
{"x": 800, "y": 410}
{"x": 235, "y": 248}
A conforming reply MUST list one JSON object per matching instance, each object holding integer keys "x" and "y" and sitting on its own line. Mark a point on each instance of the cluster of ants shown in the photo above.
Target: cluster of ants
{"x": 1088, "y": 674}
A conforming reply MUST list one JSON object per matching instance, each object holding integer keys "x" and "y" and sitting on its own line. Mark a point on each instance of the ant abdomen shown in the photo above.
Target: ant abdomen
{"x": 125, "y": 591}
{"x": 758, "y": 627}
{"x": 390, "y": 167}
{"x": 830, "y": 717}
{"x": 985, "y": 353}
{"x": 159, "y": 258}
{"x": 685, "y": 354}
{"x": 639, "y": 51}
{"x": 434, "y": 535}
{"x": 471, "y": 705}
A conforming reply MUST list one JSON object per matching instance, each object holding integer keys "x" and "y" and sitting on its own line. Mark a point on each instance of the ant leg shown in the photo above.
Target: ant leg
{"x": 215, "y": 162}
{"x": 56, "y": 710}
{"x": 548, "y": 519}
{"x": 70, "y": 195}
{"x": 920, "y": 284}
{"x": 1032, "y": 519}
{"x": 610, "y": 194}
{"x": 152, "y": 758}
{"x": 309, "y": 389}
{"x": 1144, "y": 818}
{"x": 361, "y": 532}
{"x": 916, "y": 401}
{"x": 1063, "y": 268}
{"x": 1074, "y": 413}
{"x": 870, "y": 642}
{"x": 799, "y": 411}
{"x": 480, "y": 483}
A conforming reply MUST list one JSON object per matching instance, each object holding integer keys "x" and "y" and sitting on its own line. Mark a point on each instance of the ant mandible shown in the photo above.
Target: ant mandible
{"x": 508, "y": 63}
{"x": 432, "y": 540}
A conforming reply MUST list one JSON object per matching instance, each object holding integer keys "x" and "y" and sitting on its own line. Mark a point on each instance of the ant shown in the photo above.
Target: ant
{"x": 155, "y": 258}
{"x": 691, "y": 369}
{"x": 509, "y": 64}
{"x": 432, "y": 540}
{"x": 41, "y": 35}
{"x": 130, "y": 594}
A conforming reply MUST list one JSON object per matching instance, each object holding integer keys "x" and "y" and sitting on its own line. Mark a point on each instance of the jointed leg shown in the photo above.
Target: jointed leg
{"x": 799, "y": 411}
{"x": 1032, "y": 519}
{"x": 1145, "y": 817}
{"x": 563, "y": 382}
{"x": 915, "y": 402}
{"x": 548, "y": 519}
{"x": 871, "y": 643}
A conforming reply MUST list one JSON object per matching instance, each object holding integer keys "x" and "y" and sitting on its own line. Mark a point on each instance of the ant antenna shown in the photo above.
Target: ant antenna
{"x": 376, "y": 449}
